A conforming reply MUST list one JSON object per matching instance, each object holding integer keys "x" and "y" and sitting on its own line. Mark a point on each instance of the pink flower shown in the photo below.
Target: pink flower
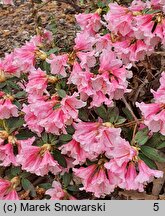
{"x": 12, "y": 195}
{"x": 58, "y": 64}
{"x": 70, "y": 105}
{"x": 57, "y": 193}
{"x": 38, "y": 160}
{"x": 148, "y": 110}
{"x": 89, "y": 22}
{"x": 159, "y": 95}
{"x": 74, "y": 150}
{"x": 94, "y": 180}
{"x": 25, "y": 56}
{"x": 146, "y": 174}
{"x": 7, "y": 156}
{"x": 95, "y": 137}
{"x": 7, "y": 189}
{"x": 7, "y": 109}
{"x": 119, "y": 19}
{"x": 8, "y": 2}
{"x": 38, "y": 81}
{"x": 130, "y": 183}
{"x": 84, "y": 41}
{"x": 87, "y": 59}
{"x": 123, "y": 152}
{"x": 31, "y": 120}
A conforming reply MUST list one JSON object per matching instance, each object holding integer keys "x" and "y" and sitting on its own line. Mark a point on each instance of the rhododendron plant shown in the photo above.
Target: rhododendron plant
{"x": 65, "y": 118}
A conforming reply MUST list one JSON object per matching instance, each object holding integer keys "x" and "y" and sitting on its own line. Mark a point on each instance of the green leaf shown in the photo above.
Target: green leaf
{"x": 120, "y": 120}
{"x": 15, "y": 171}
{"x": 12, "y": 84}
{"x": 66, "y": 179}
{"x": 70, "y": 129}
{"x": 45, "y": 137}
{"x": 20, "y": 94}
{"x": 27, "y": 185}
{"x": 141, "y": 136}
{"x": 101, "y": 112}
{"x": 24, "y": 134}
{"x": 14, "y": 123}
{"x": 160, "y": 145}
{"x": 46, "y": 186}
{"x": 154, "y": 140}
{"x": 61, "y": 93}
{"x": 127, "y": 113}
{"x": 57, "y": 106}
{"x": 148, "y": 161}
{"x": 83, "y": 115}
{"x": 65, "y": 137}
{"x": 152, "y": 153}
{"x": 73, "y": 188}
{"x": 59, "y": 158}
{"x": 54, "y": 50}
{"x": 113, "y": 114}
{"x": 2, "y": 85}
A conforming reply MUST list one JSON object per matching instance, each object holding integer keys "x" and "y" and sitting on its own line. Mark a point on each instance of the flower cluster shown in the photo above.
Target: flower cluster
{"x": 48, "y": 96}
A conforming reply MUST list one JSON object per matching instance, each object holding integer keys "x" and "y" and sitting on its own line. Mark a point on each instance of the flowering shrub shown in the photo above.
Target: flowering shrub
{"x": 59, "y": 114}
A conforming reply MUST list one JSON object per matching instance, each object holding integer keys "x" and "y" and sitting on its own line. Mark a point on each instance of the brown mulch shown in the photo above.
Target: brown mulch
{"x": 18, "y": 23}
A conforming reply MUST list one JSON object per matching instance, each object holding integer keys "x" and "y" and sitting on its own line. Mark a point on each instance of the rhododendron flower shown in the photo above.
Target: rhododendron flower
{"x": 57, "y": 193}
{"x": 74, "y": 150}
{"x": 7, "y": 109}
{"x": 96, "y": 137}
{"x": 38, "y": 160}
{"x": 84, "y": 41}
{"x": 70, "y": 105}
{"x": 25, "y": 56}
{"x": 89, "y": 22}
{"x": 58, "y": 64}
{"x": 130, "y": 182}
{"x": 159, "y": 95}
{"x": 8, "y": 2}
{"x": 7, "y": 189}
{"x": 146, "y": 174}
{"x": 119, "y": 19}
{"x": 7, "y": 156}
{"x": 94, "y": 180}
{"x": 87, "y": 59}
{"x": 154, "y": 116}
{"x": 38, "y": 81}
{"x": 8, "y": 66}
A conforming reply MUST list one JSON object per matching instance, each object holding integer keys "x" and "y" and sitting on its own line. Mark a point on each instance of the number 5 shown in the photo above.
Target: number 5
{"x": 156, "y": 207}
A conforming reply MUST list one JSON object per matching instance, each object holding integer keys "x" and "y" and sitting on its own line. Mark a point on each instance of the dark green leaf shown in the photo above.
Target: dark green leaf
{"x": 45, "y": 137}
{"x": 57, "y": 106}
{"x": 46, "y": 186}
{"x": 54, "y": 50}
{"x": 148, "y": 161}
{"x": 15, "y": 171}
{"x": 27, "y": 185}
{"x": 113, "y": 114}
{"x": 2, "y": 85}
{"x": 60, "y": 158}
{"x": 73, "y": 188}
{"x": 24, "y": 134}
{"x": 70, "y": 129}
{"x": 20, "y": 94}
{"x": 141, "y": 136}
{"x": 61, "y": 93}
{"x": 14, "y": 123}
{"x": 12, "y": 84}
{"x": 120, "y": 120}
{"x": 101, "y": 112}
{"x": 83, "y": 115}
{"x": 160, "y": 145}
{"x": 152, "y": 153}
{"x": 127, "y": 113}
{"x": 66, "y": 179}
{"x": 65, "y": 137}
